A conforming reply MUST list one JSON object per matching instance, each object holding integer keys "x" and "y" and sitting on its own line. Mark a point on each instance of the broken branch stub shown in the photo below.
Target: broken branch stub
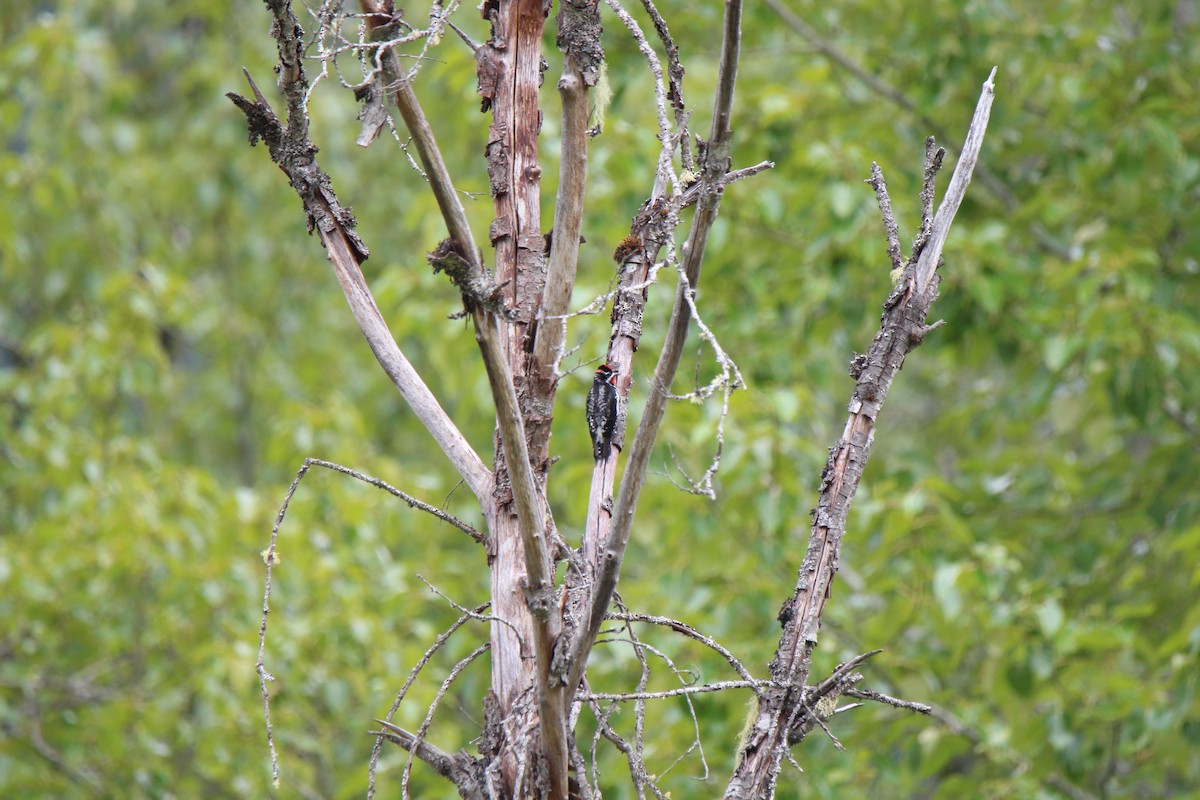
{"x": 478, "y": 290}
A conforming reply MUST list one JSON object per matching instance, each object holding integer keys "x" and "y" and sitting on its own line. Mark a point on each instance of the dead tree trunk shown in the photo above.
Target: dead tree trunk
{"x": 542, "y": 633}
{"x": 510, "y": 67}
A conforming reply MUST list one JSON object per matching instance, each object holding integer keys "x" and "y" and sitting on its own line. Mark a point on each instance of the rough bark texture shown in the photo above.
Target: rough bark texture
{"x": 783, "y": 712}
{"x": 510, "y": 68}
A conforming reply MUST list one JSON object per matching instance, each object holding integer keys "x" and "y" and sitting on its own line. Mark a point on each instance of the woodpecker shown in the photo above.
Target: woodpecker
{"x": 602, "y": 411}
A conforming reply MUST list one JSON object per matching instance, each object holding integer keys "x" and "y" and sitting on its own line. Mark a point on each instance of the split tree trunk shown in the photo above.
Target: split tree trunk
{"x": 510, "y": 68}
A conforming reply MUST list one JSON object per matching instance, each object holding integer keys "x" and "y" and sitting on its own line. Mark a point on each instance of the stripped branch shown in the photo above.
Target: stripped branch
{"x": 903, "y": 328}
{"x": 931, "y": 252}
{"x": 295, "y": 154}
{"x": 579, "y": 38}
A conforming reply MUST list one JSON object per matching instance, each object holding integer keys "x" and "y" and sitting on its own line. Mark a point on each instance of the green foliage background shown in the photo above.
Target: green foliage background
{"x": 1024, "y": 547}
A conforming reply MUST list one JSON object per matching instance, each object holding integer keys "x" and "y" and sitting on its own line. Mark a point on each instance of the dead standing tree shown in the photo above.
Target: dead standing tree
{"x": 541, "y": 633}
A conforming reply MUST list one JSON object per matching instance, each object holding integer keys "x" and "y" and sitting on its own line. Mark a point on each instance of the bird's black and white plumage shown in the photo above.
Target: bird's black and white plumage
{"x": 602, "y": 411}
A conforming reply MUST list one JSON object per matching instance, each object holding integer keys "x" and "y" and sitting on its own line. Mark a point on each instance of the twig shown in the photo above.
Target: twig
{"x": 933, "y": 163}
{"x": 816, "y": 720}
{"x": 664, "y": 174}
{"x": 637, "y": 769}
{"x": 413, "y": 502}
{"x": 437, "y": 758}
{"x": 475, "y": 615}
{"x": 271, "y": 559}
{"x": 577, "y": 762}
{"x": 879, "y": 697}
{"x": 728, "y": 381}
{"x": 438, "y": 643}
{"x": 819, "y": 702}
{"x": 691, "y": 633}
{"x": 639, "y": 711}
{"x": 458, "y": 768}
{"x": 674, "y": 85}
{"x": 683, "y": 691}
{"x": 419, "y": 737}
{"x": 889, "y": 219}
{"x": 688, "y": 198}
{"x": 687, "y": 678}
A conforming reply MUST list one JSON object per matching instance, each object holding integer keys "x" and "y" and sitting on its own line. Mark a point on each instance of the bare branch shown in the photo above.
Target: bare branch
{"x": 933, "y": 163}
{"x": 889, "y": 219}
{"x": 413, "y": 502}
{"x": 580, "y": 767}
{"x": 292, "y": 150}
{"x": 637, "y": 768}
{"x": 728, "y": 381}
{"x": 688, "y": 198}
{"x": 438, "y": 643}
{"x": 685, "y": 677}
{"x": 691, "y": 633}
{"x": 931, "y": 253}
{"x": 879, "y": 697}
{"x": 639, "y": 711}
{"x": 419, "y": 737}
{"x": 714, "y": 165}
{"x": 270, "y": 558}
{"x": 579, "y": 38}
{"x": 903, "y": 328}
{"x": 475, "y": 615}
{"x": 683, "y": 691}
{"x": 459, "y": 768}
{"x": 675, "y": 73}
{"x": 737, "y": 175}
